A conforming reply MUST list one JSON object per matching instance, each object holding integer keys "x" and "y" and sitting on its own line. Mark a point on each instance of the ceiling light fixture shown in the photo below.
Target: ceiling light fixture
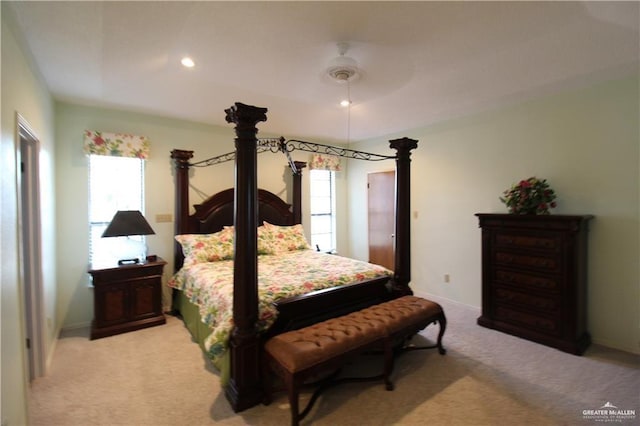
{"x": 187, "y": 62}
{"x": 344, "y": 70}
{"x": 347, "y": 101}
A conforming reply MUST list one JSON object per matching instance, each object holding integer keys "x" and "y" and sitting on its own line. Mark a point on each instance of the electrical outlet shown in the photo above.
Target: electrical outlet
{"x": 447, "y": 278}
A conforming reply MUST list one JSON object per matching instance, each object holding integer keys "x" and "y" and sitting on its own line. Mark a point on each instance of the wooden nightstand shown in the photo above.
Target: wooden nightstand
{"x": 127, "y": 298}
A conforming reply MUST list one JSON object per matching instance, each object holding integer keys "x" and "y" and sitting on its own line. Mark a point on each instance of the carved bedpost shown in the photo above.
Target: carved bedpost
{"x": 402, "y": 274}
{"x": 297, "y": 191}
{"x": 181, "y": 224}
{"x": 244, "y": 388}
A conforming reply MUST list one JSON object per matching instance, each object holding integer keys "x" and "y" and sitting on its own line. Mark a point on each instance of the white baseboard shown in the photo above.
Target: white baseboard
{"x": 75, "y": 326}
{"x": 440, "y": 299}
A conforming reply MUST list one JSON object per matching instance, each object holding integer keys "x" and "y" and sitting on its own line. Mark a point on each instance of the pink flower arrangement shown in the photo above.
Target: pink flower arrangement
{"x": 529, "y": 196}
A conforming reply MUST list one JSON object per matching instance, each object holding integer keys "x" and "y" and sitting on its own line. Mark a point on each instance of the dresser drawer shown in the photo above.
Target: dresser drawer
{"x": 534, "y": 322}
{"x": 529, "y": 281}
{"x": 540, "y": 304}
{"x": 528, "y": 242}
{"x": 538, "y": 262}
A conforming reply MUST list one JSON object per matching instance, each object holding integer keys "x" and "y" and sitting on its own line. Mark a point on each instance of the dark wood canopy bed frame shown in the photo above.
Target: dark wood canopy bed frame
{"x": 246, "y": 207}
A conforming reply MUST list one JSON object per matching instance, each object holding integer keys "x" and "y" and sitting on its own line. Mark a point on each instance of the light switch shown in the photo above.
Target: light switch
{"x": 166, "y": 217}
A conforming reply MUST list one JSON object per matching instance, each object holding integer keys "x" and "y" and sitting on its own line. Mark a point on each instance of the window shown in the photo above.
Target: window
{"x": 115, "y": 183}
{"x": 323, "y": 221}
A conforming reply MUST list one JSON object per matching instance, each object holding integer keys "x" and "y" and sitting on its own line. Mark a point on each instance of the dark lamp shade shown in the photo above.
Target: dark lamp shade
{"x": 128, "y": 222}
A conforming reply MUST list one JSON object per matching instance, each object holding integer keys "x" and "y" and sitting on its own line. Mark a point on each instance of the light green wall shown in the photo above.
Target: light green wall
{"x": 75, "y": 298}
{"x": 584, "y": 142}
{"x": 23, "y": 92}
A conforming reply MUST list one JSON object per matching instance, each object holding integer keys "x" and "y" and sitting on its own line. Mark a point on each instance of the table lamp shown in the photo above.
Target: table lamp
{"x": 126, "y": 223}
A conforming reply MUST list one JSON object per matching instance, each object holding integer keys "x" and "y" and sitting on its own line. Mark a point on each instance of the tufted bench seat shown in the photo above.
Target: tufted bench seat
{"x": 298, "y": 355}
{"x": 406, "y": 316}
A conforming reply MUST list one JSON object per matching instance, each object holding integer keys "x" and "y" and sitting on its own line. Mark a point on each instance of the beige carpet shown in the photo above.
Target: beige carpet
{"x": 158, "y": 376}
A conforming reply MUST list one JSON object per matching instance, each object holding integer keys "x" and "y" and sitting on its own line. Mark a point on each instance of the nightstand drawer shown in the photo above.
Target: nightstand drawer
{"x": 125, "y": 273}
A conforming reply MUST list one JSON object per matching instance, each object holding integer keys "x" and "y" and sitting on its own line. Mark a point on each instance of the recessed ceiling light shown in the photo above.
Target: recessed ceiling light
{"x": 187, "y": 62}
{"x": 345, "y": 103}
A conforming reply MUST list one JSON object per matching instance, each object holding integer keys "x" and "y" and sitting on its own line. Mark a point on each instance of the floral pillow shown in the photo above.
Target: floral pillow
{"x": 263, "y": 239}
{"x": 199, "y": 248}
{"x": 278, "y": 239}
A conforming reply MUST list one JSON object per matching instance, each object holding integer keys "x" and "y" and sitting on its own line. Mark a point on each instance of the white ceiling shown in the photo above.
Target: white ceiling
{"x": 421, "y": 62}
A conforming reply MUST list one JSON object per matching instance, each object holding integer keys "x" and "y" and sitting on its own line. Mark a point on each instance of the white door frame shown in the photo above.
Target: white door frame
{"x": 30, "y": 244}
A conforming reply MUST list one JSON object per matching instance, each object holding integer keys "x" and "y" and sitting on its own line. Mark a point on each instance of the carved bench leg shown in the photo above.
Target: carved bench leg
{"x": 266, "y": 382}
{"x": 443, "y": 325}
{"x": 410, "y": 332}
{"x": 293, "y": 391}
{"x": 389, "y": 359}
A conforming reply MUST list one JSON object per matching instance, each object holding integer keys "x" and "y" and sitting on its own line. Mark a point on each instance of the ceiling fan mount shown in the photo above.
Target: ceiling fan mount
{"x": 343, "y": 68}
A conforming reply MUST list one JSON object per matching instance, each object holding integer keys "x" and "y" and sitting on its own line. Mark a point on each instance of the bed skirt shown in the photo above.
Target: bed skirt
{"x": 190, "y": 315}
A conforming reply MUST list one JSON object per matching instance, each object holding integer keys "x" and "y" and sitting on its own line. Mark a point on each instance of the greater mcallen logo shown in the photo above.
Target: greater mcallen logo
{"x": 609, "y": 413}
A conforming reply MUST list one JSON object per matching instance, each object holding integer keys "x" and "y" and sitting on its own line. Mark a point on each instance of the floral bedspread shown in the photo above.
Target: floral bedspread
{"x": 210, "y": 287}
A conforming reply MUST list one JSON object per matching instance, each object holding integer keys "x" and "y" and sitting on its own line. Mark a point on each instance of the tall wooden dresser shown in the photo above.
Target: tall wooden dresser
{"x": 534, "y": 278}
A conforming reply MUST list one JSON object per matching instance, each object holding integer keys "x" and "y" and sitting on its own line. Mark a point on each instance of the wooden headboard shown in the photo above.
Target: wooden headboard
{"x": 217, "y": 211}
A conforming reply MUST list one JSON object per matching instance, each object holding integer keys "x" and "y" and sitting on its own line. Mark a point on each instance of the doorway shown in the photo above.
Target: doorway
{"x": 30, "y": 253}
{"x": 381, "y": 206}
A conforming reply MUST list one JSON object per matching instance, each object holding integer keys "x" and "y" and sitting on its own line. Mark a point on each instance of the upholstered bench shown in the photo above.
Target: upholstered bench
{"x": 298, "y": 355}
{"x": 406, "y": 316}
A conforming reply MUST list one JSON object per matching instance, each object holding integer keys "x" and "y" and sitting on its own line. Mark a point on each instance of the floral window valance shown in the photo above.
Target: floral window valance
{"x": 325, "y": 162}
{"x": 116, "y": 144}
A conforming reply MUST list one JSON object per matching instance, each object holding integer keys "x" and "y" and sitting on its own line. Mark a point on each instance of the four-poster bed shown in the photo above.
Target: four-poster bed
{"x": 246, "y": 208}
